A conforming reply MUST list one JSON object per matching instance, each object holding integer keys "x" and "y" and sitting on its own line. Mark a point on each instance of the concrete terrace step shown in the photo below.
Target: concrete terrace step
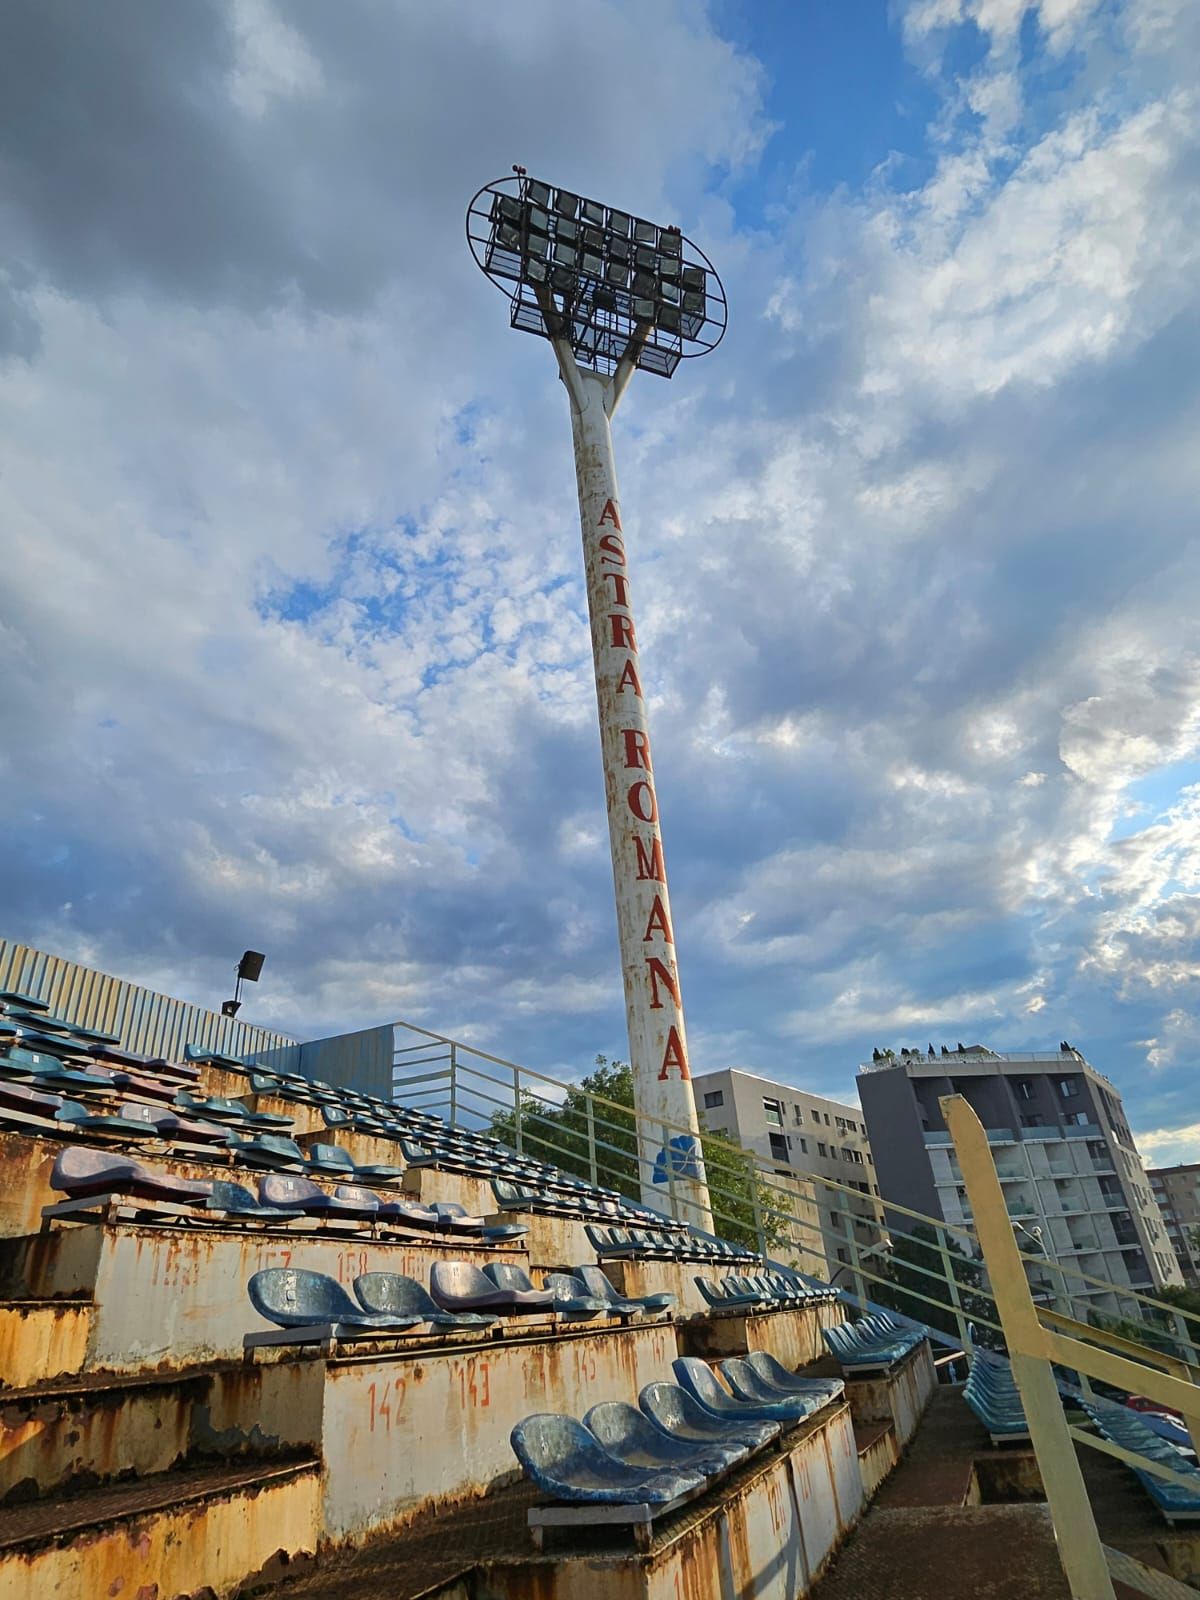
{"x": 42, "y": 1339}
{"x": 154, "y": 1535}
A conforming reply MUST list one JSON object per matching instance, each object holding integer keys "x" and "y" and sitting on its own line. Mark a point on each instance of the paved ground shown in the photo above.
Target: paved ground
{"x": 919, "y": 1541}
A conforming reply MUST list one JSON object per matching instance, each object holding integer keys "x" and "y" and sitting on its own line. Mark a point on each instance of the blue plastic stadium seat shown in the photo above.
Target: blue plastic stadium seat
{"x": 169, "y": 1125}
{"x": 461, "y": 1286}
{"x": 596, "y": 1283}
{"x": 81, "y": 1172}
{"x": 746, "y": 1383}
{"x": 20, "y": 1097}
{"x": 571, "y": 1298}
{"x": 568, "y": 1463}
{"x": 628, "y": 1434}
{"x": 77, "y": 1115}
{"x": 273, "y": 1150}
{"x": 698, "y": 1378}
{"x": 778, "y": 1376}
{"x": 1121, "y": 1426}
{"x": 388, "y": 1294}
{"x": 681, "y": 1416}
{"x": 18, "y": 998}
{"x": 722, "y": 1297}
{"x": 287, "y": 1192}
{"x": 456, "y": 1219}
{"x": 873, "y": 1349}
{"x": 517, "y": 1281}
{"x": 233, "y": 1200}
{"x": 294, "y": 1298}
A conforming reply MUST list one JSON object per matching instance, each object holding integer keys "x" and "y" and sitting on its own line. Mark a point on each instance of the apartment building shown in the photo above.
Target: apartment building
{"x": 800, "y": 1134}
{"x": 1073, "y": 1180}
{"x": 1177, "y": 1192}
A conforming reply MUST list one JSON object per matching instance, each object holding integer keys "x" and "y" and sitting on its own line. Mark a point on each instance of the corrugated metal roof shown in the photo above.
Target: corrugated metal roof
{"x": 144, "y": 1020}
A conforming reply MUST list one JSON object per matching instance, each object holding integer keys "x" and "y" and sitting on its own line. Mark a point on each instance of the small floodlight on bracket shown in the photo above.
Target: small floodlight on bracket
{"x": 248, "y": 969}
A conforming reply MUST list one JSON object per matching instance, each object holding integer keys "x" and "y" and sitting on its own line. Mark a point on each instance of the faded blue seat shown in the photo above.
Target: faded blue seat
{"x": 116, "y": 1127}
{"x": 273, "y": 1150}
{"x": 567, "y": 1462}
{"x": 629, "y": 1434}
{"x": 515, "y": 1280}
{"x": 596, "y": 1282}
{"x": 460, "y": 1286}
{"x": 723, "y": 1298}
{"x": 457, "y": 1219}
{"x": 73, "y": 1080}
{"x": 81, "y": 1172}
{"x": 867, "y": 1349}
{"x": 238, "y": 1202}
{"x": 294, "y": 1298}
{"x": 169, "y": 1125}
{"x": 747, "y": 1383}
{"x": 286, "y": 1192}
{"x": 680, "y": 1415}
{"x": 332, "y": 1159}
{"x": 571, "y": 1298}
{"x": 390, "y": 1294}
{"x": 19, "y": 1097}
{"x": 698, "y": 1378}
{"x": 406, "y": 1213}
{"x": 776, "y": 1374}
{"x": 1121, "y": 1426}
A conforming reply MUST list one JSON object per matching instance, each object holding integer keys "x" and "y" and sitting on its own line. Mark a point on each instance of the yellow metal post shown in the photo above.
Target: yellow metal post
{"x": 1079, "y": 1547}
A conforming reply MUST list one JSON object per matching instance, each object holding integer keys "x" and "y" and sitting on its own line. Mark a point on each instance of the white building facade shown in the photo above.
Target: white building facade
{"x": 802, "y": 1135}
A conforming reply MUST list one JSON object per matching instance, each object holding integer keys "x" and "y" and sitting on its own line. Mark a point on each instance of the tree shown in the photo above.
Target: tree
{"x": 907, "y": 1280}
{"x": 560, "y": 1136}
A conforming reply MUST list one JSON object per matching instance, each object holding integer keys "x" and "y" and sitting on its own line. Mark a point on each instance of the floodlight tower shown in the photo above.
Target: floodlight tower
{"x": 612, "y": 293}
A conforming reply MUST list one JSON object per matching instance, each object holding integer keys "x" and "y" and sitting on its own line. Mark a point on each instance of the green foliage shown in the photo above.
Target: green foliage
{"x": 911, "y": 1260}
{"x": 559, "y": 1134}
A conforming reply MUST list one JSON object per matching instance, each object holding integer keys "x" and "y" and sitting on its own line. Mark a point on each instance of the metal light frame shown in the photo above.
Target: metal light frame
{"x": 614, "y": 286}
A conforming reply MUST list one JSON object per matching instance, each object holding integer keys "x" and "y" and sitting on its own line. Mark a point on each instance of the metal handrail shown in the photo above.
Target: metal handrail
{"x": 464, "y": 1080}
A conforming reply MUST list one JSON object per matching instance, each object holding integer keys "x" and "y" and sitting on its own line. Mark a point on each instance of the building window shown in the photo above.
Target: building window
{"x": 714, "y": 1097}
{"x": 779, "y": 1148}
{"x": 1068, "y": 1087}
{"x": 1024, "y": 1088}
{"x": 773, "y": 1111}
{"x": 826, "y": 1114}
{"x": 821, "y": 1150}
{"x": 843, "y": 1257}
{"x": 857, "y": 1154}
{"x": 847, "y": 1155}
{"x": 803, "y": 1147}
{"x": 1032, "y": 1119}
{"x": 798, "y": 1113}
{"x": 816, "y": 1116}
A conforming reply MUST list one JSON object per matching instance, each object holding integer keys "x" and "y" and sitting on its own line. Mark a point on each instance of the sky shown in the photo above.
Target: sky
{"x": 293, "y": 636}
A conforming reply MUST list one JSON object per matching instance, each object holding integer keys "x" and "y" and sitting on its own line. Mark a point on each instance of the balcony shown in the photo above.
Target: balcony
{"x": 994, "y": 1136}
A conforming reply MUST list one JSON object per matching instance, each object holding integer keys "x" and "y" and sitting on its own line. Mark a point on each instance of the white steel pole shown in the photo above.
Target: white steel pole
{"x": 670, "y": 1161}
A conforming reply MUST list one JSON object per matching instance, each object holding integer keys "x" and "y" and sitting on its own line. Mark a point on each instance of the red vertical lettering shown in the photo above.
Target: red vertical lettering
{"x": 620, "y": 587}
{"x": 629, "y": 679}
{"x": 643, "y": 802}
{"x": 622, "y": 632}
{"x": 613, "y": 547}
{"x": 637, "y": 748}
{"x": 675, "y": 1056}
{"x": 659, "y": 972}
{"x": 658, "y": 922}
{"x": 610, "y": 514}
{"x": 650, "y": 862}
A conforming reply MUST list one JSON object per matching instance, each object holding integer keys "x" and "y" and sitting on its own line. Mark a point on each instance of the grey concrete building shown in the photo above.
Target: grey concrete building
{"x": 801, "y": 1134}
{"x": 1063, "y": 1151}
{"x": 1177, "y": 1192}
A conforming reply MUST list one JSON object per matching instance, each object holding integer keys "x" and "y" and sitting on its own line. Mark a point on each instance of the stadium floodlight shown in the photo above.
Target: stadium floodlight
{"x": 615, "y": 293}
{"x": 249, "y": 970}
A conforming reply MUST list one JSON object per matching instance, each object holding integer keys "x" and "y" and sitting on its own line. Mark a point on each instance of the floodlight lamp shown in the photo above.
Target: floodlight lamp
{"x": 250, "y": 966}
{"x": 230, "y": 1008}
{"x": 566, "y": 264}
